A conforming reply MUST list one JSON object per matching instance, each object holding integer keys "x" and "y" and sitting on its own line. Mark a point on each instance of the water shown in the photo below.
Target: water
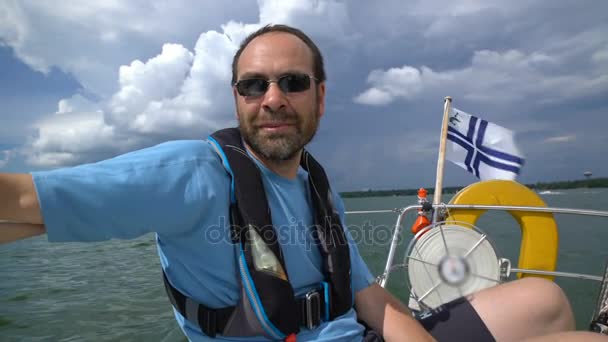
{"x": 112, "y": 291}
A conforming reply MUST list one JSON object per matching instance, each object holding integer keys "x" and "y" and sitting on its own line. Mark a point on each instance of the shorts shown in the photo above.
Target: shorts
{"x": 456, "y": 321}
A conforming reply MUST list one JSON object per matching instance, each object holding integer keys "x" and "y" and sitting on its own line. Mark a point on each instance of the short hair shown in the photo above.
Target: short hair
{"x": 317, "y": 58}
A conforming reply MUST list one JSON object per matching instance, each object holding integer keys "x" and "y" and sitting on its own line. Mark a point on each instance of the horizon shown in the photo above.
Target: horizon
{"x": 429, "y": 188}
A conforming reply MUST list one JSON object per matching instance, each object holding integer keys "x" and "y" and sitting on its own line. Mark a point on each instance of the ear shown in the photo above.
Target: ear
{"x": 321, "y": 98}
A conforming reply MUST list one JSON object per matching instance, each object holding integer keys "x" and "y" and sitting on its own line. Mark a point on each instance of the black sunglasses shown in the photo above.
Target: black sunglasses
{"x": 289, "y": 83}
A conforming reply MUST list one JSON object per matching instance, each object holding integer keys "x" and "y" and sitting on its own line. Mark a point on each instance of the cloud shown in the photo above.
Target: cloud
{"x": 403, "y": 82}
{"x": 61, "y": 139}
{"x": 176, "y": 94}
{"x": 601, "y": 56}
{"x": 321, "y": 19}
{"x": 492, "y": 76}
{"x": 179, "y": 93}
{"x": 90, "y": 40}
{"x": 98, "y": 37}
{"x": 145, "y": 85}
{"x": 375, "y": 97}
{"x": 76, "y": 103}
{"x": 560, "y": 139}
{"x": 5, "y": 157}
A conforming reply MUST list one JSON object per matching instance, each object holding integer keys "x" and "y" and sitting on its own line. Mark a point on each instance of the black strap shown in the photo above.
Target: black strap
{"x": 213, "y": 321}
{"x": 333, "y": 242}
{"x": 251, "y": 206}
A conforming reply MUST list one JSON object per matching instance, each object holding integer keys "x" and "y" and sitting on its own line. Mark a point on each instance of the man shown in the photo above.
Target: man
{"x": 184, "y": 191}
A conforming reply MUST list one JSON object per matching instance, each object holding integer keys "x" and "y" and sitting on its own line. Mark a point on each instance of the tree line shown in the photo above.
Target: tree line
{"x": 540, "y": 186}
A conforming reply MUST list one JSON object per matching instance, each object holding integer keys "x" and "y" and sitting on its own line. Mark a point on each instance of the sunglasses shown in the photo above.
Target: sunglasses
{"x": 289, "y": 83}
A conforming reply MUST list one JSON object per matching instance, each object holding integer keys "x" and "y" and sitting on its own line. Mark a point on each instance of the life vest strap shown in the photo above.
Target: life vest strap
{"x": 311, "y": 313}
{"x": 211, "y": 321}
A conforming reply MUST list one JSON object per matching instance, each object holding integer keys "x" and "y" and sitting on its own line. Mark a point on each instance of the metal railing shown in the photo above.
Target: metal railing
{"x": 598, "y": 318}
{"x": 403, "y": 212}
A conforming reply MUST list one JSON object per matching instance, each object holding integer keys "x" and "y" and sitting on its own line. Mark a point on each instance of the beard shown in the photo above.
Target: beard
{"x": 279, "y": 146}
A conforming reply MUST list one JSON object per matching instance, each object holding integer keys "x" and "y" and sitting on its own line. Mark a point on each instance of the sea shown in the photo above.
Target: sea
{"x": 113, "y": 291}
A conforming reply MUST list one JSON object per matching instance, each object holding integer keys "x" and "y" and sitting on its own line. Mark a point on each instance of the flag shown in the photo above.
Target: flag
{"x": 485, "y": 149}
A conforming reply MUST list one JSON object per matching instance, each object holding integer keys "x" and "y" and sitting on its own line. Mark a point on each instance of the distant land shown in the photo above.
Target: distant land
{"x": 573, "y": 184}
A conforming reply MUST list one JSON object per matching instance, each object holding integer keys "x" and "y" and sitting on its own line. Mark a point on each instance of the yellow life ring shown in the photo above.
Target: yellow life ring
{"x": 539, "y": 235}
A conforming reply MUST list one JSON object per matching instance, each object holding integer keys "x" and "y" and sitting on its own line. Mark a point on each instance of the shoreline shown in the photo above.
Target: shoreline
{"x": 539, "y": 186}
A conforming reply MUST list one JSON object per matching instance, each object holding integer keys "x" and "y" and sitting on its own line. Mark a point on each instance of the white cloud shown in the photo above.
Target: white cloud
{"x": 179, "y": 93}
{"x": 176, "y": 94}
{"x": 76, "y": 133}
{"x": 601, "y": 56}
{"x": 319, "y": 18}
{"x": 492, "y": 76}
{"x": 76, "y": 103}
{"x": 463, "y": 18}
{"x": 403, "y": 82}
{"x": 561, "y": 139}
{"x": 375, "y": 97}
{"x": 68, "y": 138}
{"x": 143, "y": 84}
{"x": 91, "y": 39}
{"x": 5, "y": 157}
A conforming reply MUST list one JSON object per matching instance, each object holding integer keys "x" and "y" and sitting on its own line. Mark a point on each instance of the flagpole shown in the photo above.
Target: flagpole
{"x": 441, "y": 158}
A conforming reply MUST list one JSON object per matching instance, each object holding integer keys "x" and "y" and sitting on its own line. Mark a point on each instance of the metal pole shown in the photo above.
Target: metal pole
{"x": 526, "y": 208}
{"x": 558, "y": 274}
{"x": 602, "y": 299}
{"x": 441, "y": 157}
{"x": 371, "y": 212}
{"x": 394, "y": 242}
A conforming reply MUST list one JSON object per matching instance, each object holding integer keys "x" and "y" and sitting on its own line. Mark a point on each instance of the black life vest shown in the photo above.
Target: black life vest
{"x": 267, "y": 304}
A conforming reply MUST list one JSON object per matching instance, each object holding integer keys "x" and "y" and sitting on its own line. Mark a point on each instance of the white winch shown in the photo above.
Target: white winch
{"x": 450, "y": 260}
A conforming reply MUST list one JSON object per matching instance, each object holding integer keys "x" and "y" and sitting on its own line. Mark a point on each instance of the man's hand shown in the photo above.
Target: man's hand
{"x": 388, "y": 316}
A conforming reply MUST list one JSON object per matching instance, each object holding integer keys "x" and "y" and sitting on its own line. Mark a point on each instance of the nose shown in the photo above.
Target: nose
{"x": 274, "y": 98}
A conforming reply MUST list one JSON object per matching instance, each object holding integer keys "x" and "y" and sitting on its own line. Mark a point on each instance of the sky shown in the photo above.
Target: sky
{"x": 83, "y": 81}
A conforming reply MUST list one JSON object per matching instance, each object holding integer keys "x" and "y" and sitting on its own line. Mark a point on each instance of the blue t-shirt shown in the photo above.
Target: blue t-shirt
{"x": 180, "y": 190}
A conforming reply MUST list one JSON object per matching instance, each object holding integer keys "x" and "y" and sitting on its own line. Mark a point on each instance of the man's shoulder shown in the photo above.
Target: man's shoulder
{"x": 170, "y": 155}
{"x": 172, "y": 152}
{"x": 200, "y": 149}
{"x": 177, "y": 159}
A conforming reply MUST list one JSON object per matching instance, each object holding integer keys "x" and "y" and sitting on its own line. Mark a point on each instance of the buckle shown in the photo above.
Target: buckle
{"x": 312, "y": 310}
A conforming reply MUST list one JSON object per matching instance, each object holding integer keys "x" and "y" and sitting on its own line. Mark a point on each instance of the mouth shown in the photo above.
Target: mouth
{"x": 276, "y": 127}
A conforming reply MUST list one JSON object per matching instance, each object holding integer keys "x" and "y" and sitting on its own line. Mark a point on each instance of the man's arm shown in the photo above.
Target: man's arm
{"x": 388, "y": 316}
{"x": 10, "y": 232}
{"x": 18, "y": 200}
{"x": 19, "y": 203}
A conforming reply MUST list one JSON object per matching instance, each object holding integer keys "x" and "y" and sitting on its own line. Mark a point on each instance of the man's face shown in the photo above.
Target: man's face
{"x": 276, "y": 125}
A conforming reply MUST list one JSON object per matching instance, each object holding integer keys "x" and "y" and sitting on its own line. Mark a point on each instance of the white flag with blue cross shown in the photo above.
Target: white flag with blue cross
{"x": 484, "y": 149}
